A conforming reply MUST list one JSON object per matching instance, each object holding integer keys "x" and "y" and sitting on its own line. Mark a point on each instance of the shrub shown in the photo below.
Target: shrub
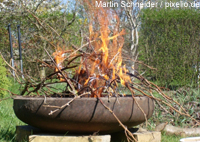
{"x": 4, "y": 81}
{"x": 169, "y": 41}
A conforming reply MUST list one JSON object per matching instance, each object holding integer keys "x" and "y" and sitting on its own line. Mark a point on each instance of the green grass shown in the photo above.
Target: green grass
{"x": 170, "y": 138}
{"x": 8, "y": 121}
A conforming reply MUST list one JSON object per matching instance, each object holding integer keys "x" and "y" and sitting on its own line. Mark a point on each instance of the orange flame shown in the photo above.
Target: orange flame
{"x": 105, "y": 62}
{"x": 106, "y": 24}
{"x": 59, "y": 57}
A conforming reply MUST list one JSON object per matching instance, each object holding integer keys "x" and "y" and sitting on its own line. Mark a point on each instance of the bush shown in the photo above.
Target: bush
{"x": 4, "y": 81}
{"x": 169, "y": 41}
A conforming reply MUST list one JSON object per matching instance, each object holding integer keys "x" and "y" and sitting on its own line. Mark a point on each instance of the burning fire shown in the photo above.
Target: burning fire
{"x": 59, "y": 57}
{"x": 104, "y": 63}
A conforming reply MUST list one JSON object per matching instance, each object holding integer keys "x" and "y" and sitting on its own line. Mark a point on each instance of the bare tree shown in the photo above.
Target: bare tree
{"x": 132, "y": 14}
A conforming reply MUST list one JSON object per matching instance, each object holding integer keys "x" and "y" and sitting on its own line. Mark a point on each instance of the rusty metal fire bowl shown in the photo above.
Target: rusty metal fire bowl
{"x": 83, "y": 115}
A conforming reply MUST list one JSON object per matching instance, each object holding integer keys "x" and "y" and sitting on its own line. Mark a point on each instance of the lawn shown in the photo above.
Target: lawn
{"x": 9, "y": 121}
{"x": 170, "y": 138}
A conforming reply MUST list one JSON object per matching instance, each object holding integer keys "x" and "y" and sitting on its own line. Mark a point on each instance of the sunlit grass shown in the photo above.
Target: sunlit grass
{"x": 170, "y": 138}
{"x": 8, "y": 121}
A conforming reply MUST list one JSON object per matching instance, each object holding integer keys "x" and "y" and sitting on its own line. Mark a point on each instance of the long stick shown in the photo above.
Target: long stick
{"x": 11, "y": 49}
{"x": 131, "y": 137}
{"x": 20, "y": 50}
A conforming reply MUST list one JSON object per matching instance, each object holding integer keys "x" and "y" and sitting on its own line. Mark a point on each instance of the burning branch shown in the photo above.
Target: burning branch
{"x": 66, "y": 79}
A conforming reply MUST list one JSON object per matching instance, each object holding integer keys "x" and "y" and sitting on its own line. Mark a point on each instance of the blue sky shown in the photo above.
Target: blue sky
{"x": 65, "y": 1}
{"x": 69, "y": 1}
